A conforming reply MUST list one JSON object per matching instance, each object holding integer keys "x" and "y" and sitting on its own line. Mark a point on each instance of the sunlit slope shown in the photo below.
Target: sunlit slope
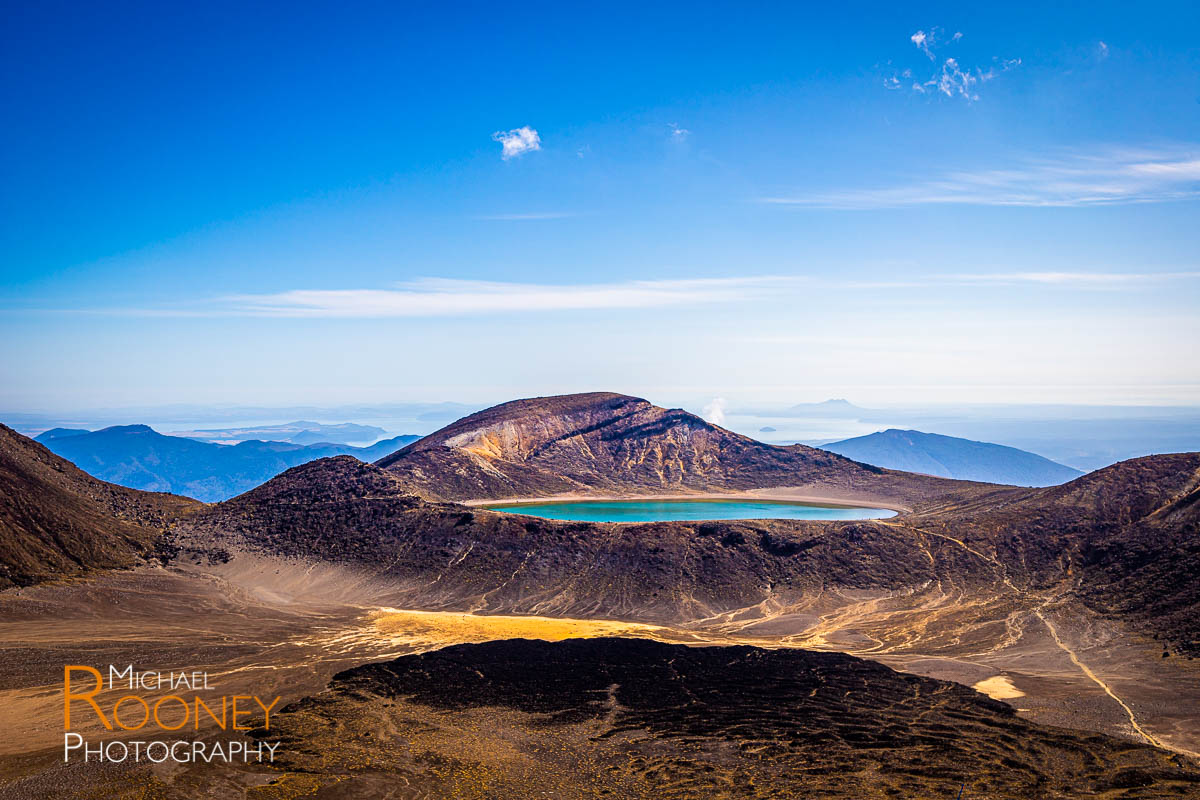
{"x": 604, "y": 443}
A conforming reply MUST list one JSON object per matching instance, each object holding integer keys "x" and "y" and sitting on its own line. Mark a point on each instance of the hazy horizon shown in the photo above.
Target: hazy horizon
{"x": 1085, "y": 437}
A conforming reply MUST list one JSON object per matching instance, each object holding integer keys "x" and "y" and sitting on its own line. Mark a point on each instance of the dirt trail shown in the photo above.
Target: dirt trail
{"x": 1149, "y": 737}
{"x": 1038, "y": 611}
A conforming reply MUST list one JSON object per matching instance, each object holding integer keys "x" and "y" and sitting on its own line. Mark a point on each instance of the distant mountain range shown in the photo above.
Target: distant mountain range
{"x": 1086, "y": 437}
{"x": 138, "y": 457}
{"x": 56, "y": 520}
{"x": 951, "y": 457}
{"x": 300, "y": 432}
{"x": 415, "y": 417}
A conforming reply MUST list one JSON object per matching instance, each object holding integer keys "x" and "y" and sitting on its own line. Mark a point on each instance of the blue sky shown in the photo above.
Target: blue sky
{"x": 372, "y": 202}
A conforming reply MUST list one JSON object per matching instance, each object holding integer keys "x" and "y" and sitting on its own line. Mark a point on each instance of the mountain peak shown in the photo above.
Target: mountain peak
{"x": 835, "y": 405}
{"x": 60, "y": 433}
{"x": 140, "y": 458}
{"x": 605, "y": 443}
{"x": 511, "y": 429}
{"x": 127, "y": 429}
{"x": 952, "y": 457}
{"x": 326, "y": 479}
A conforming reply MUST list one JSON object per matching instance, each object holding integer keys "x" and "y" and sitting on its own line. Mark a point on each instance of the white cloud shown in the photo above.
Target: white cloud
{"x": 678, "y": 133}
{"x": 430, "y": 297}
{"x": 954, "y": 81}
{"x": 443, "y": 297}
{"x": 1104, "y": 177}
{"x": 1072, "y": 278}
{"x": 1103, "y": 50}
{"x": 517, "y": 141}
{"x": 923, "y": 41}
{"x": 1176, "y": 170}
{"x": 1000, "y": 66}
{"x": 951, "y": 78}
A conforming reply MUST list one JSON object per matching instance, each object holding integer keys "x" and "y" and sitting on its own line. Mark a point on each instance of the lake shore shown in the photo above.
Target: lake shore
{"x": 778, "y": 494}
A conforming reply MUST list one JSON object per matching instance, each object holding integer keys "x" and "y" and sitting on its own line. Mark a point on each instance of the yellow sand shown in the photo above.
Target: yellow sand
{"x": 998, "y": 687}
{"x": 449, "y": 627}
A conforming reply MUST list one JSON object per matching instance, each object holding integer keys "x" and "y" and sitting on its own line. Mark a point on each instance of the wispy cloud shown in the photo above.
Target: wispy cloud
{"x": 1071, "y": 278}
{"x": 429, "y": 297}
{"x": 678, "y": 133}
{"x": 950, "y": 77}
{"x": 517, "y": 141}
{"x": 444, "y": 297}
{"x": 924, "y": 42}
{"x": 1108, "y": 177}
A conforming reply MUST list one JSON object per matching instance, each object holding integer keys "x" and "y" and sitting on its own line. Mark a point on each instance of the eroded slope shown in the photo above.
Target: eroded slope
{"x": 56, "y": 520}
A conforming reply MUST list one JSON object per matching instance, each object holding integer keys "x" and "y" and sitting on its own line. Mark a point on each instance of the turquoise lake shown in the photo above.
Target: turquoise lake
{"x": 686, "y": 510}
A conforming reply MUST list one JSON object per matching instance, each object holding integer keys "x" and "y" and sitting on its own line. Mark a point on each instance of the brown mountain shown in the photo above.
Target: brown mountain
{"x": 601, "y": 442}
{"x": 1057, "y": 589}
{"x": 56, "y": 520}
{"x": 1062, "y": 590}
{"x": 1123, "y": 541}
{"x": 447, "y": 555}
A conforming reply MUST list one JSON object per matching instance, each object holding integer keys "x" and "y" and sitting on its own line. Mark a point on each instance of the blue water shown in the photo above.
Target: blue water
{"x": 678, "y": 510}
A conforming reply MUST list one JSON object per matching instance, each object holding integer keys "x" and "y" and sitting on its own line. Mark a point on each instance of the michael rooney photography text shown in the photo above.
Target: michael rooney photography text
{"x": 162, "y": 715}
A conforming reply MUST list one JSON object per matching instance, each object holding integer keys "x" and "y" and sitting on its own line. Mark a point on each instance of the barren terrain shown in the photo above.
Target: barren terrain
{"x": 1072, "y": 611}
{"x": 245, "y": 624}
